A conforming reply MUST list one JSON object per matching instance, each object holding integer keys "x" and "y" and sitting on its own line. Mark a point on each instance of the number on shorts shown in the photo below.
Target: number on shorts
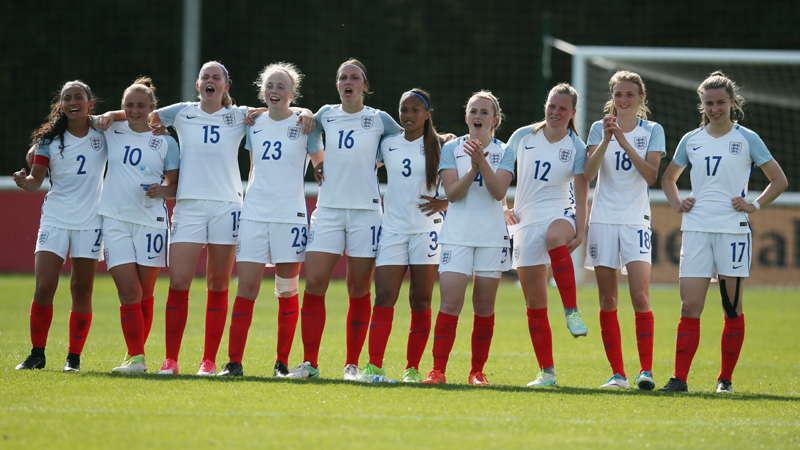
{"x": 741, "y": 252}
{"x": 298, "y": 233}
{"x": 276, "y": 150}
{"x": 644, "y": 239}
{"x": 435, "y": 239}
{"x": 155, "y": 244}
{"x": 82, "y": 159}
{"x": 99, "y": 236}
{"x": 236, "y": 215}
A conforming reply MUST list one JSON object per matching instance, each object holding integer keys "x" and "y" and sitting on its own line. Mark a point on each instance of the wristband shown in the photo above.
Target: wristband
{"x": 506, "y": 208}
{"x": 756, "y": 204}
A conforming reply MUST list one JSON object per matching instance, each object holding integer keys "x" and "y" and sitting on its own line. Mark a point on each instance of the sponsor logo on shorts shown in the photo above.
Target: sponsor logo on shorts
{"x": 593, "y": 251}
{"x": 238, "y": 248}
{"x": 495, "y": 158}
{"x": 640, "y": 142}
{"x": 310, "y": 238}
{"x": 367, "y": 122}
{"x": 97, "y": 143}
{"x": 446, "y": 257}
{"x": 229, "y": 120}
{"x": 105, "y": 254}
{"x": 564, "y": 155}
{"x": 516, "y": 252}
{"x": 173, "y": 229}
{"x": 738, "y": 267}
{"x": 43, "y": 237}
{"x": 293, "y": 133}
{"x": 152, "y": 257}
{"x": 431, "y": 255}
{"x": 735, "y": 148}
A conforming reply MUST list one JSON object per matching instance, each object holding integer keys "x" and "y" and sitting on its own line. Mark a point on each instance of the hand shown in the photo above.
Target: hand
{"x": 686, "y": 205}
{"x": 432, "y": 205}
{"x": 474, "y": 148}
{"x": 308, "y": 120}
{"x": 318, "y": 174}
{"x": 575, "y": 243}
{"x": 160, "y": 130}
{"x": 21, "y": 178}
{"x": 154, "y": 191}
{"x": 448, "y": 137}
{"x": 740, "y": 204}
{"x": 252, "y": 115}
{"x": 29, "y": 156}
{"x": 104, "y": 121}
{"x": 608, "y": 122}
{"x": 511, "y": 218}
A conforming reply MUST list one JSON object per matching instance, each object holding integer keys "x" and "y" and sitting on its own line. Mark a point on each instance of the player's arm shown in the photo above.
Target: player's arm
{"x": 168, "y": 190}
{"x": 670, "y": 188}
{"x": 596, "y": 153}
{"x": 316, "y": 163}
{"x": 496, "y": 182}
{"x": 103, "y": 121}
{"x": 581, "y": 209}
{"x": 306, "y": 118}
{"x": 455, "y": 187}
{"x": 511, "y": 217}
{"x": 777, "y": 184}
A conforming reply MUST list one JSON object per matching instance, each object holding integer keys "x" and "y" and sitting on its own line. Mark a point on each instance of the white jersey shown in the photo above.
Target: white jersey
{"x": 476, "y": 219}
{"x": 545, "y": 172}
{"x": 135, "y": 159}
{"x": 76, "y": 180}
{"x": 276, "y": 192}
{"x": 351, "y": 148}
{"x": 720, "y": 171}
{"x": 405, "y": 168}
{"x": 621, "y": 195}
{"x": 209, "y": 149}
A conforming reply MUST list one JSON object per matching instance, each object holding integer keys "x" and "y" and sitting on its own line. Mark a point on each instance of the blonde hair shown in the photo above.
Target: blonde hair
{"x": 498, "y": 113}
{"x": 294, "y": 74}
{"x": 227, "y": 100}
{"x": 632, "y": 77}
{"x": 142, "y": 84}
{"x": 719, "y": 80}
{"x": 564, "y": 89}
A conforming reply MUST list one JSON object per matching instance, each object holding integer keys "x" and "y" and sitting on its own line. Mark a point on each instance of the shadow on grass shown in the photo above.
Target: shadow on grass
{"x": 561, "y": 390}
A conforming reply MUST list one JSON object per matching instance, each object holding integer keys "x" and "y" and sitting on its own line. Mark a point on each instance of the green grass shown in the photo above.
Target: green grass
{"x": 95, "y": 409}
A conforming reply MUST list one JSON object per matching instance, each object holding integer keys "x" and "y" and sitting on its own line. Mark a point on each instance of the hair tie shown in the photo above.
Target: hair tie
{"x": 427, "y": 108}
{"x": 359, "y": 68}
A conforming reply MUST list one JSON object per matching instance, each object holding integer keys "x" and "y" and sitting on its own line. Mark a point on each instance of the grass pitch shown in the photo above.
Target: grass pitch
{"x": 97, "y": 409}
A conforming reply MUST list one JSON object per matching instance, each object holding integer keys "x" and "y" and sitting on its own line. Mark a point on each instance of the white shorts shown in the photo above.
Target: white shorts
{"x": 703, "y": 254}
{"x": 487, "y": 262}
{"x": 354, "y": 231}
{"x": 128, "y": 242}
{"x": 79, "y": 243}
{"x": 271, "y": 242}
{"x": 614, "y": 246}
{"x": 205, "y": 222}
{"x": 530, "y": 246}
{"x": 403, "y": 249}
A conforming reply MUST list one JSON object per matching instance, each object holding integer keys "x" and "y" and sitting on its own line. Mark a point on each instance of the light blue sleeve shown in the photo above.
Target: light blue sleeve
{"x": 390, "y": 127}
{"x": 516, "y": 138}
{"x": 314, "y": 143}
{"x": 173, "y": 159}
{"x": 596, "y": 133}
{"x": 94, "y": 125}
{"x": 43, "y": 149}
{"x": 681, "y": 158}
{"x": 580, "y": 155}
{"x": 758, "y": 150}
{"x": 320, "y": 113}
{"x": 448, "y": 158}
{"x": 248, "y": 144}
{"x": 657, "y": 140}
{"x": 169, "y": 113}
{"x": 508, "y": 158}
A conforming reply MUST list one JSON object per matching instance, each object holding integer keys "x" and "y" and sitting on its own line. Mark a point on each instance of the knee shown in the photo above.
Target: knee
{"x": 419, "y": 301}
{"x": 130, "y": 295}
{"x": 218, "y": 282}
{"x": 640, "y": 301}
{"x": 608, "y": 302}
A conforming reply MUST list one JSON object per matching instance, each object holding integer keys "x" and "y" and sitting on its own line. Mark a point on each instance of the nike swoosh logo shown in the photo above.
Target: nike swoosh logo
{"x": 257, "y": 131}
{"x": 534, "y": 329}
{"x": 78, "y": 337}
{"x": 214, "y": 310}
{"x": 331, "y": 120}
{"x": 503, "y": 261}
{"x": 645, "y": 335}
{"x": 559, "y": 270}
{"x": 242, "y": 314}
{"x": 374, "y": 325}
{"x": 437, "y": 337}
{"x": 417, "y": 331}
{"x": 732, "y": 335}
{"x": 293, "y": 312}
{"x": 682, "y": 335}
{"x": 461, "y": 156}
{"x": 173, "y": 307}
{"x": 123, "y": 320}
{"x": 736, "y": 267}
{"x": 644, "y": 253}
{"x": 190, "y": 117}
{"x": 302, "y": 314}
{"x": 431, "y": 255}
{"x": 609, "y": 345}
{"x": 298, "y": 252}
{"x": 695, "y": 148}
{"x": 118, "y": 132}
{"x": 528, "y": 148}
{"x": 355, "y": 324}
{"x": 36, "y": 331}
{"x": 483, "y": 338}
{"x": 95, "y": 251}
{"x": 152, "y": 257}
{"x": 392, "y": 149}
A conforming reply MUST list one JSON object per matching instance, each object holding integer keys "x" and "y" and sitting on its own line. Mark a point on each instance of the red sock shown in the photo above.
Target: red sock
{"x": 147, "y": 315}
{"x": 444, "y": 335}
{"x": 357, "y": 326}
{"x": 732, "y": 340}
{"x": 288, "y": 314}
{"x": 685, "y": 346}
{"x": 132, "y": 321}
{"x": 482, "y": 331}
{"x": 312, "y": 325}
{"x": 216, "y": 314}
{"x": 241, "y": 317}
{"x": 564, "y": 274}
{"x": 644, "y": 340}
{"x": 541, "y": 337}
{"x": 79, "y": 325}
{"x": 41, "y": 318}
{"x": 418, "y": 334}
{"x": 379, "y": 331}
{"x": 612, "y": 340}
{"x": 175, "y": 321}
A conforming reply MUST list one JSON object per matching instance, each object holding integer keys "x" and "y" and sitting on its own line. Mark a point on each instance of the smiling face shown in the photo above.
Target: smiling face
{"x": 137, "y": 106}
{"x": 75, "y": 103}
{"x": 351, "y": 84}
{"x": 559, "y": 110}
{"x": 626, "y": 96}
{"x": 212, "y": 83}
{"x": 413, "y": 114}
{"x": 481, "y": 117}
{"x": 717, "y": 105}
{"x": 278, "y": 90}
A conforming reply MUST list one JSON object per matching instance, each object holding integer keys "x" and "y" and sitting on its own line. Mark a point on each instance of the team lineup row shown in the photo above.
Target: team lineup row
{"x": 127, "y": 223}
